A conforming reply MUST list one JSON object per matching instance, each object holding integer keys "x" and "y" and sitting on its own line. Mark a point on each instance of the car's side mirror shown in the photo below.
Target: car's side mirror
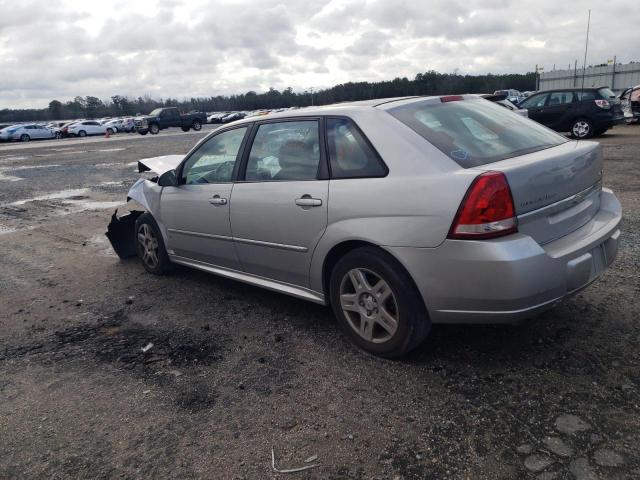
{"x": 168, "y": 179}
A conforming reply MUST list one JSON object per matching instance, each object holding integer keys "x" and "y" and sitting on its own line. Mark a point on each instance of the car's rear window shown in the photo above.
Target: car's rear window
{"x": 606, "y": 93}
{"x": 475, "y": 132}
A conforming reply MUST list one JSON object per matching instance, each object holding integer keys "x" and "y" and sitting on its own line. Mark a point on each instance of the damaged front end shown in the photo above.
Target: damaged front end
{"x": 121, "y": 231}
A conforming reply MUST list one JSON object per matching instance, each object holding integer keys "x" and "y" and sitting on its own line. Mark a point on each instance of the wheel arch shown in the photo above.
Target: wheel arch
{"x": 343, "y": 248}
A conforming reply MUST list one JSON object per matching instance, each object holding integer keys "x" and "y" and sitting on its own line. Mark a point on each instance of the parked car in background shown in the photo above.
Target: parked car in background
{"x": 169, "y": 117}
{"x": 232, "y": 117}
{"x": 398, "y": 213}
{"x": 514, "y": 96}
{"x": 216, "y": 117}
{"x": 88, "y": 127}
{"x": 502, "y": 101}
{"x": 630, "y": 100}
{"x": 116, "y": 124}
{"x": 27, "y": 132}
{"x": 583, "y": 113}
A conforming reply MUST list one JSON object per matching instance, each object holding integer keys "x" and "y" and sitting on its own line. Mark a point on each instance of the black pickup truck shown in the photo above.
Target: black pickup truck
{"x": 162, "y": 118}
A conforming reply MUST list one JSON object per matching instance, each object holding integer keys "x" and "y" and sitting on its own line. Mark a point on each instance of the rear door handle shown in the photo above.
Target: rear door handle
{"x": 217, "y": 200}
{"x": 308, "y": 201}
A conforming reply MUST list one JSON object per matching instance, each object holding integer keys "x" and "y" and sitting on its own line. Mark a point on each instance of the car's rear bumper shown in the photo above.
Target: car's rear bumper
{"x": 511, "y": 278}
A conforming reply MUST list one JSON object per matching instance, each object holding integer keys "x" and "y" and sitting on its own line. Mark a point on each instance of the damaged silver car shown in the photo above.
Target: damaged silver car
{"x": 398, "y": 213}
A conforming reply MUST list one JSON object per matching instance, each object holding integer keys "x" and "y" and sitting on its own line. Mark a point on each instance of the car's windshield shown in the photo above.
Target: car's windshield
{"x": 475, "y": 132}
{"x": 156, "y": 112}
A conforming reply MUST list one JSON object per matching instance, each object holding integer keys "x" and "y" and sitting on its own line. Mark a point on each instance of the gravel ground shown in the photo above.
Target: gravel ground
{"x": 236, "y": 371}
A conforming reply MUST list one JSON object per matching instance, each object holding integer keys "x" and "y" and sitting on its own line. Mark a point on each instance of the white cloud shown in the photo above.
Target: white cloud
{"x": 182, "y": 48}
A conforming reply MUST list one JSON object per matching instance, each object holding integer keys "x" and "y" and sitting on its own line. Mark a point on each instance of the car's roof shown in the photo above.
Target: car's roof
{"x": 334, "y": 109}
{"x": 570, "y": 89}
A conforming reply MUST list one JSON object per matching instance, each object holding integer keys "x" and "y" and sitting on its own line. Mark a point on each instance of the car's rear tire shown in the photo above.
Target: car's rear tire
{"x": 24, "y": 137}
{"x": 58, "y": 135}
{"x": 185, "y": 129}
{"x": 196, "y": 125}
{"x": 151, "y": 249}
{"x": 582, "y": 128}
{"x": 377, "y": 305}
{"x": 110, "y": 131}
{"x": 82, "y": 133}
{"x": 154, "y": 129}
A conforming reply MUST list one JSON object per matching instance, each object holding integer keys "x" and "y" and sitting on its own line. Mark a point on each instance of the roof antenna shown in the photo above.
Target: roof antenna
{"x": 586, "y": 46}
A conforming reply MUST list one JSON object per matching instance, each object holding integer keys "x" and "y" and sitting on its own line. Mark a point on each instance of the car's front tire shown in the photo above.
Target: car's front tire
{"x": 24, "y": 137}
{"x": 110, "y": 131}
{"x": 82, "y": 133}
{"x": 377, "y": 305}
{"x": 196, "y": 125}
{"x": 582, "y": 128}
{"x": 154, "y": 129}
{"x": 58, "y": 135}
{"x": 150, "y": 245}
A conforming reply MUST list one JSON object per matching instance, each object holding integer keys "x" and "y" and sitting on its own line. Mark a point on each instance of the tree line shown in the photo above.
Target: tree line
{"x": 428, "y": 83}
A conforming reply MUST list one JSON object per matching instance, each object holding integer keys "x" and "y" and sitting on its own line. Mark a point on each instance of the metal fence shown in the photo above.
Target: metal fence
{"x": 617, "y": 77}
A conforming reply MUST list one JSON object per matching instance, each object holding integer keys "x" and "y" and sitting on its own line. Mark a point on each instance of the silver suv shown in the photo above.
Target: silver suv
{"x": 399, "y": 213}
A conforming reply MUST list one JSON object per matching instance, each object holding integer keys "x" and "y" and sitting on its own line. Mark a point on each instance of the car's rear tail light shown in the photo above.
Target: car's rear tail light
{"x": 451, "y": 98}
{"x": 603, "y": 104}
{"x": 487, "y": 209}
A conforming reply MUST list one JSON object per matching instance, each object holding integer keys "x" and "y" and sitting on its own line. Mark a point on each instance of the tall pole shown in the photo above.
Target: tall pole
{"x": 586, "y": 46}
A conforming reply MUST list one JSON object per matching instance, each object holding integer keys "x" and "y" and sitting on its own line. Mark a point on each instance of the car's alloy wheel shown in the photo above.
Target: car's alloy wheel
{"x": 82, "y": 133}
{"x": 369, "y": 305}
{"x": 58, "y": 135}
{"x": 197, "y": 125}
{"x": 376, "y": 303}
{"x": 581, "y": 129}
{"x": 154, "y": 129}
{"x": 24, "y": 137}
{"x": 148, "y": 246}
{"x": 110, "y": 131}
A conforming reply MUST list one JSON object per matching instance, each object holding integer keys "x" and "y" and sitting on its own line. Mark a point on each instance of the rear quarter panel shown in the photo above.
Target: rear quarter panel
{"x": 413, "y": 206}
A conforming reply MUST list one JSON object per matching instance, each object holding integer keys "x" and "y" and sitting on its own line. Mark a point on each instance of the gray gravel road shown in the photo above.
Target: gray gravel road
{"x": 235, "y": 371}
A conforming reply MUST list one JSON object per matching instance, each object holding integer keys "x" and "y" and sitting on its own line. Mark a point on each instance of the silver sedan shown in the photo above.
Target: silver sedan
{"x": 397, "y": 213}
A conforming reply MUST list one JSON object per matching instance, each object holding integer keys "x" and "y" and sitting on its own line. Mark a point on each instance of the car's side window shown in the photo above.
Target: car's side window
{"x": 350, "y": 155}
{"x": 214, "y": 160}
{"x": 285, "y": 151}
{"x": 536, "y": 101}
{"x": 585, "y": 95}
{"x": 560, "y": 98}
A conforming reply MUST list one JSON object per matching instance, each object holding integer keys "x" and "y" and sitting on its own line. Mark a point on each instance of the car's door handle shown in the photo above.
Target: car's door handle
{"x": 308, "y": 201}
{"x": 217, "y": 200}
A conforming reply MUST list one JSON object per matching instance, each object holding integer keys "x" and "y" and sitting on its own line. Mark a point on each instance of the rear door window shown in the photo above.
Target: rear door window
{"x": 475, "y": 132}
{"x": 606, "y": 93}
{"x": 350, "y": 154}
{"x": 560, "y": 98}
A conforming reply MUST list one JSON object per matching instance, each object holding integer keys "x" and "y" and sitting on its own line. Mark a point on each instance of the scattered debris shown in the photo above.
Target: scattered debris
{"x": 608, "y": 458}
{"x": 557, "y": 446}
{"x": 312, "y": 458}
{"x": 129, "y": 300}
{"x": 147, "y": 347}
{"x": 582, "y": 470}
{"x": 571, "y": 424}
{"x": 290, "y": 470}
{"x": 524, "y": 449}
{"x": 537, "y": 463}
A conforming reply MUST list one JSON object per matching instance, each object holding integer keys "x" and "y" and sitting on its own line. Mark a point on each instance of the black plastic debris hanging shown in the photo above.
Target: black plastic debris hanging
{"x": 121, "y": 233}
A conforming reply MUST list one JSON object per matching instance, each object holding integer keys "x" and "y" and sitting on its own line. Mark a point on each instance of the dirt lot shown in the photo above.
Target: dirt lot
{"x": 235, "y": 371}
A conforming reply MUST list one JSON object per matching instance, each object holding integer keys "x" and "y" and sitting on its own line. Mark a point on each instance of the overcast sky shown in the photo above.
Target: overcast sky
{"x": 182, "y": 48}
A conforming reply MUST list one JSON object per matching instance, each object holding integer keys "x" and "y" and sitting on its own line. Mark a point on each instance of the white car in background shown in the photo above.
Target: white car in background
{"x": 89, "y": 127}
{"x": 116, "y": 124}
{"x": 28, "y": 132}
